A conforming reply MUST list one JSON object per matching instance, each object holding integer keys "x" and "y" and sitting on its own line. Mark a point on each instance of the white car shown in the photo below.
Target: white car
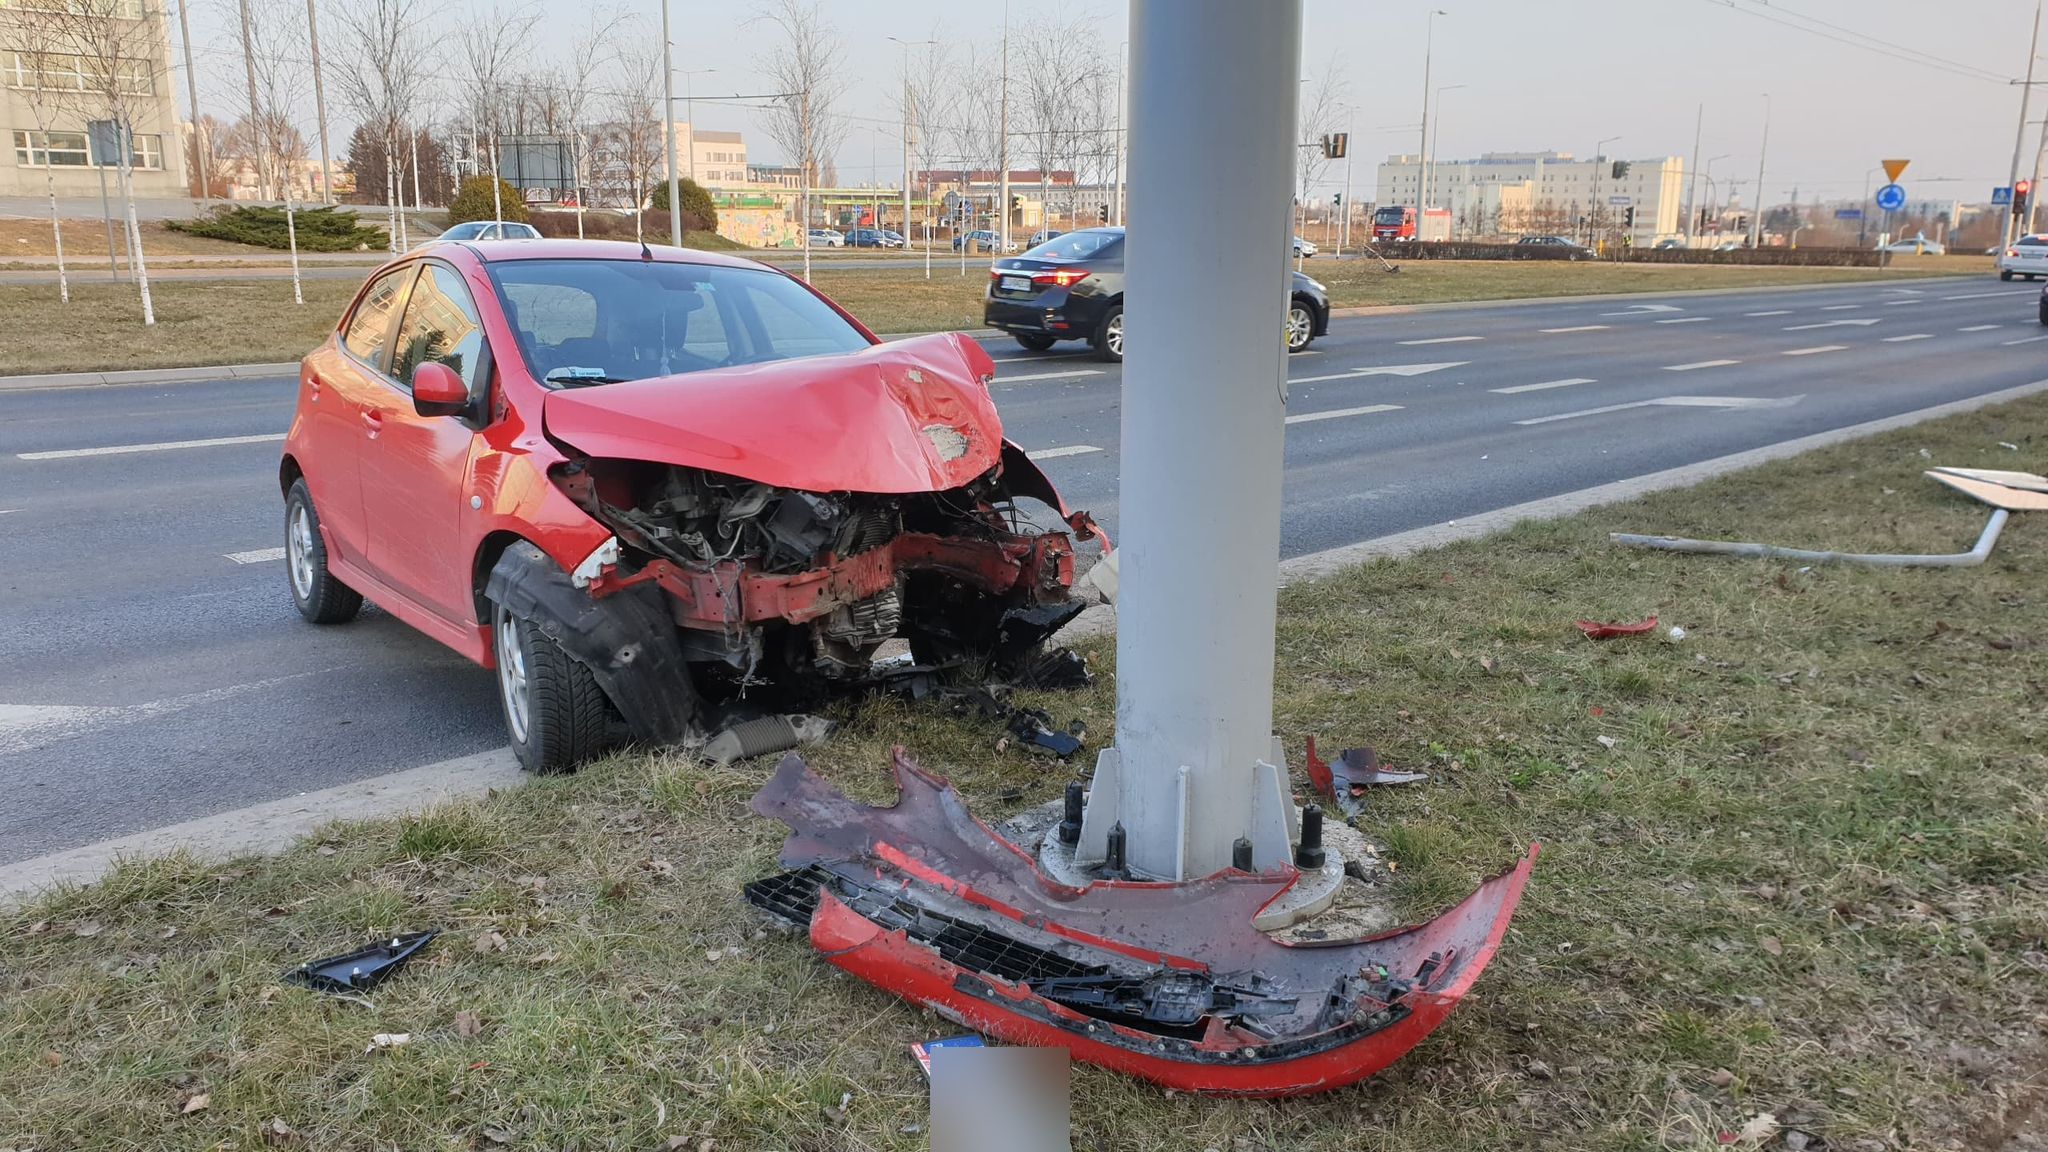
{"x": 1917, "y": 246}
{"x": 827, "y": 238}
{"x": 491, "y": 230}
{"x": 2028, "y": 257}
{"x": 1303, "y": 247}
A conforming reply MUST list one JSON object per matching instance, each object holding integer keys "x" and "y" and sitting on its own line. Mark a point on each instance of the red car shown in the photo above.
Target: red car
{"x": 642, "y": 485}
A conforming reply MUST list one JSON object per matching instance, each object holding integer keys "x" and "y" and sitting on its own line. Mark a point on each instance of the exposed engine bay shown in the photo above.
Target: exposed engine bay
{"x": 790, "y": 593}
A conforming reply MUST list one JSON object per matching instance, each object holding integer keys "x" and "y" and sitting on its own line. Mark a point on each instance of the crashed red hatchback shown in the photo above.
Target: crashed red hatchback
{"x": 640, "y": 483}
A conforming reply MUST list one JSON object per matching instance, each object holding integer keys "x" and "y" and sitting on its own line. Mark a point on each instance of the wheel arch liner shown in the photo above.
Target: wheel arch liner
{"x": 897, "y": 890}
{"x": 626, "y": 639}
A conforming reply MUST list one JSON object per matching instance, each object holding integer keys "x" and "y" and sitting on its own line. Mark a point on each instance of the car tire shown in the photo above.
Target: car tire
{"x": 1109, "y": 335}
{"x": 2044, "y": 314}
{"x": 1033, "y": 343}
{"x": 556, "y": 714}
{"x": 1301, "y": 325}
{"x": 316, "y": 593}
{"x": 2005, "y": 274}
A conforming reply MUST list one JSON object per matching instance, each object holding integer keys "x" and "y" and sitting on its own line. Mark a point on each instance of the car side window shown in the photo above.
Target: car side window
{"x": 370, "y": 327}
{"x": 441, "y": 325}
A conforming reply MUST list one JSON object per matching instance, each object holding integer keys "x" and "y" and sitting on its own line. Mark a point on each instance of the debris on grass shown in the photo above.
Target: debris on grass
{"x": 1346, "y": 779}
{"x": 765, "y": 736}
{"x": 387, "y": 1040}
{"x": 1595, "y": 630}
{"x": 923, "y": 1049}
{"x": 362, "y": 969}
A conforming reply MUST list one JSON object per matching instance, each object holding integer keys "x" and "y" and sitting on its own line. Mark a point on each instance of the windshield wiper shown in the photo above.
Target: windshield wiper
{"x": 576, "y": 377}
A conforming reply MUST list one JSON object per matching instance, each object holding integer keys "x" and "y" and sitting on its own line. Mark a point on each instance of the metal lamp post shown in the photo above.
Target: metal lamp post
{"x": 1599, "y": 166}
{"x": 1422, "y": 146}
{"x": 1436, "y": 133}
{"x": 1193, "y": 769}
{"x": 1756, "y": 216}
{"x": 907, "y": 46}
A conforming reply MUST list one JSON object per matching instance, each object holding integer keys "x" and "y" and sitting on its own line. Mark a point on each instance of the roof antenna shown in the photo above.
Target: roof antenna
{"x": 646, "y": 253}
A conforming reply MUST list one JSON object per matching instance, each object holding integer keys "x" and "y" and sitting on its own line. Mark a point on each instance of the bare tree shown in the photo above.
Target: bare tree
{"x": 271, "y": 31}
{"x": 805, "y": 64}
{"x": 630, "y": 148}
{"x": 931, "y": 98}
{"x": 1066, "y": 77}
{"x": 37, "y": 36}
{"x": 1320, "y": 113}
{"x": 592, "y": 53}
{"x": 491, "y": 52}
{"x": 380, "y": 40}
{"x": 116, "y": 71}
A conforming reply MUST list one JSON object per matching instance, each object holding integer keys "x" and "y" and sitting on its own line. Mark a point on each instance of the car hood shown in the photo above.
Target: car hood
{"x": 909, "y": 416}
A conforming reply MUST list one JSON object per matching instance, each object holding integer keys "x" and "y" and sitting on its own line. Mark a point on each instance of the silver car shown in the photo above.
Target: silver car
{"x": 491, "y": 230}
{"x": 2027, "y": 256}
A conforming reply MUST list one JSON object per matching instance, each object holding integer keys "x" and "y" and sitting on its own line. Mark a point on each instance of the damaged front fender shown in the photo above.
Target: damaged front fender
{"x": 626, "y": 639}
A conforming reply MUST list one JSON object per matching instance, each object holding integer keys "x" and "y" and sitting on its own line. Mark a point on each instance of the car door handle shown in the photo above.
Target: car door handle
{"x": 372, "y": 420}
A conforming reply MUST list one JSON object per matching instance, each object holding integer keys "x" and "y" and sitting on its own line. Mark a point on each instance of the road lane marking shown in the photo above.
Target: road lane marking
{"x": 1816, "y": 351}
{"x": 1645, "y": 310}
{"x": 1442, "y": 340}
{"x": 1701, "y": 364}
{"x": 1049, "y": 375}
{"x": 256, "y": 555}
{"x": 1685, "y": 320}
{"x": 8, "y": 511}
{"x": 1839, "y": 307}
{"x": 1988, "y": 295}
{"x": 2027, "y": 340}
{"x": 1865, "y": 323}
{"x": 1334, "y": 413}
{"x": 1038, "y": 357}
{"x": 1540, "y": 387}
{"x": 1774, "y": 312}
{"x": 1579, "y": 328}
{"x": 1726, "y": 402}
{"x": 1914, "y": 336}
{"x": 1041, "y": 454}
{"x": 1896, "y": 303}
{"x": 165, "y": 446}
{"x": 1980, "y": 327}
{"x": 1379, "y": 370}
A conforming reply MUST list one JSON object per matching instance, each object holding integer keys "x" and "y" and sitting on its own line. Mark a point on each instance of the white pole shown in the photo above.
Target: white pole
{"x": 1003, "y": 146}
{"x": 192, "y": 98}
{"x": 319, "y": 107}
{"x": 668, "y": 138}
{"x": 1121, "y": 160}
{"x": 1422, "y": 147}
{"x": 291, "y": 232}
{"x": 419, "y": 203}
{"x": 2026, "y": 224}
{"x": 1756, "y": 216}
{"x": 1204, "y": 399}
{"x": 1692, "y": 180}
{"x": 1344, "y": 225}
{"x": 2019, "y": 136}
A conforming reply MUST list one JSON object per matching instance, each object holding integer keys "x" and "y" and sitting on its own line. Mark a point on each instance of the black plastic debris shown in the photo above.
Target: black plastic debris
{"x": 1033, "y": 727}
{"x": 1022, "y": 630}
{"x": 1346, "y": 779}
{"x": 361, "y": 970}
{"x": 1061, "y": 668}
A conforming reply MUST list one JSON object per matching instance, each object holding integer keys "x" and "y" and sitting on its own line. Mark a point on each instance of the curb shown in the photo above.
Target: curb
{"x": 149, "y": 376}
{"x": 276, "y": 824}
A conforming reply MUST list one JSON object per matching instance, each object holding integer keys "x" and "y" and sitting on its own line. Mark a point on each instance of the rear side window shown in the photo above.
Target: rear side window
{"x": 370, "y": 327}
{"x": 2033, "y": 242}
{"x": 441, "y": 325}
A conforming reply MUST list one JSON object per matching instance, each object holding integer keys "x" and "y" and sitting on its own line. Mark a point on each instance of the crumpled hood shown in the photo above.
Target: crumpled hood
{"x": 909, "y": 416}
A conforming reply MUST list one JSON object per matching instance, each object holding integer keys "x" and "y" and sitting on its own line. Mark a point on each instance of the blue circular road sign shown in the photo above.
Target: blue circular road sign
{"x": 1891, "y": 197}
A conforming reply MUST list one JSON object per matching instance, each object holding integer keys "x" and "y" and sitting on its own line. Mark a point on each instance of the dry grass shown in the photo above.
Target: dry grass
{"x": 198, "y": 322}
{"x": 1809, "y": 878}
{"x": 85, "y": 242}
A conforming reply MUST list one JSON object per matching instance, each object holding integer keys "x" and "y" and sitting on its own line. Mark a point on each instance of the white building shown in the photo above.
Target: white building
{"x": 712, "y": 159}
{"x": 1511, "y": 193}
{"x": 52, "y": 86}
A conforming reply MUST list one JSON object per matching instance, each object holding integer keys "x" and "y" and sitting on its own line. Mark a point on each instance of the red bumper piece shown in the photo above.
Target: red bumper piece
{"x": 1166, "y": 982}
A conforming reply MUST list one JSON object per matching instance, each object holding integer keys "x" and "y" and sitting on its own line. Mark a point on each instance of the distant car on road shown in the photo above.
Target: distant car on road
{"x": 1038, "y": 238}
{"x": 1730, "y": 246}
{"x": 1917, "y": 246}
{"x": 2027, "y": 257}
{"x": 491, "y": 230}
{"x": 872, "y": 238}
{"x": 1574, "y": 250}
{"x": 981, "y": 240}
{"x": 827, "y": 238}
{"x": 1669, "y": 242}
{"x": 1072, "y": 288}
{"x": 1304, "y": 248}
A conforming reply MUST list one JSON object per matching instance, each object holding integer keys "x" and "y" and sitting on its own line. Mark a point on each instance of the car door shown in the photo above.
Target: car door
{"x": 416, "y": 472}
{"x": 341, "y": 386}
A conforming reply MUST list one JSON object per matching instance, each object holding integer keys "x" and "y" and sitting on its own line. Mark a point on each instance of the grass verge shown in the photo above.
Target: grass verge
{"x": 1795, "y": 864}
{"x": 198, "y": 322}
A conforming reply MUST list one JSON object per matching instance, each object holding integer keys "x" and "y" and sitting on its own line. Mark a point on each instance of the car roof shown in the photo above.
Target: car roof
{"x": 502, "y": 251}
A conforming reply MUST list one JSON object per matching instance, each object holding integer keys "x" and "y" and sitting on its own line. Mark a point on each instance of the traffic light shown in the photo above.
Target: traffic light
{"x": 1102, "y": 214}
{"x": 2021, "y": 190}
{"x": 1336, "y": 199}
{"x": 1335, "y": 144}
{"x": 1742, "y": 222}
{"x": 1628, "y": 217}
{"x": 1620, "y": 169}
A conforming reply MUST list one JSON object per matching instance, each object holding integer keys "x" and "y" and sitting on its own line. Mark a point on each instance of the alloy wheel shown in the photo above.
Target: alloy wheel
{"x": 512, "y": 682}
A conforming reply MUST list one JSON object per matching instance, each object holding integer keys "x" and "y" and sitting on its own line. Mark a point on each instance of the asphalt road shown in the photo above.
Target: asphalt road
{"x": 152, "y": 669}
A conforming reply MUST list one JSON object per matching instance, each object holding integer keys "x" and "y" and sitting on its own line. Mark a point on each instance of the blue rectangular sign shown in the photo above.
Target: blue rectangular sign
{"x": 1848, "y": 213}
{"x": 2001, "y": 195}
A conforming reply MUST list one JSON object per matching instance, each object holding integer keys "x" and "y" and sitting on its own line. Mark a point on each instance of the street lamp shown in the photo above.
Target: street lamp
{"x": 1756, "y": 216}
{"x": 907, "y": 46}
{"x": 1437, "y": 131}
{"x": 1599, "y": 166}
{"x": 1707, "y": 174}
{"x": 1422, "y": 146}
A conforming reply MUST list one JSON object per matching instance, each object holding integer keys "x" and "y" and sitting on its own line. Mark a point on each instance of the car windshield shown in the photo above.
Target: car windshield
{"x": 583, "y": 322}
{"x": 1389, "y": 216}
{"x": 1075, "y": 246}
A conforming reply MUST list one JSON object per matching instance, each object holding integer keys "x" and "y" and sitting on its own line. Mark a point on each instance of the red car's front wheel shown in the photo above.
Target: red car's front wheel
{"x": 555, "y": 711}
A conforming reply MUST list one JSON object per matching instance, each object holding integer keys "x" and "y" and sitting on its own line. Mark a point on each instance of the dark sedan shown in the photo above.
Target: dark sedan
{"x": 1072, "y": 288}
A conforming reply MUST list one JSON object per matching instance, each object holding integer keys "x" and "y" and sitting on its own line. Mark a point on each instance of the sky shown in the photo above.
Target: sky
{"x": 1536, "y": 75}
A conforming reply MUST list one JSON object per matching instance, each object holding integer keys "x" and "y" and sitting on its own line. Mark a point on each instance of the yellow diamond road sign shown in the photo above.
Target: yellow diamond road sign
{"x": 1893, "y": 169}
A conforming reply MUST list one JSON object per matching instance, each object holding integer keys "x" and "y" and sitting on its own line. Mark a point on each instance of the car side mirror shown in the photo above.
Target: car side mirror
{"x": 438, "y": 391}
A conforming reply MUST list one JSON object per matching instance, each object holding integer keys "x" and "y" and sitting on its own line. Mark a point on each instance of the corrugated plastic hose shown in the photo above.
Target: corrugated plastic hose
{"x": 1970, "y": 559}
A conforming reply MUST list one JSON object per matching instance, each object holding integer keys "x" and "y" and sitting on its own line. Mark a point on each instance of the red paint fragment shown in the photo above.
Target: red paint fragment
{"x": 1595, "y": 630}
